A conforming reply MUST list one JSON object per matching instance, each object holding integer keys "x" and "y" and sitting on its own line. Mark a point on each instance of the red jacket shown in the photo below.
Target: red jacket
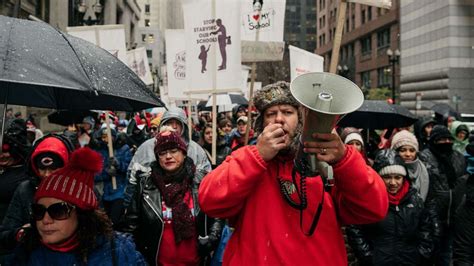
{"x": 245, "y": 189}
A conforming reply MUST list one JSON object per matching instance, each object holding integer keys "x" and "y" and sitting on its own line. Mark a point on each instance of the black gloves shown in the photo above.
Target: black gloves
{"x": 112, "y": 168}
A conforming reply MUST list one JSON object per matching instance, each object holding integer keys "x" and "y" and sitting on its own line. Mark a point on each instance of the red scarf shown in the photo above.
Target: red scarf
{"x": 65, "y": 246}
{"x": 395, "y": 199}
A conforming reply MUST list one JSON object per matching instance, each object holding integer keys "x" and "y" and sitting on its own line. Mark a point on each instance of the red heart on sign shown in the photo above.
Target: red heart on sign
{"x": 256, "y": 17}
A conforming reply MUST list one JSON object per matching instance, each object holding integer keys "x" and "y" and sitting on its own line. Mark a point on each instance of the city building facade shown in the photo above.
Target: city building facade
{"x": 437, "y": 53}
{"x": 300, "y": 24}
{"x": 370, "y": 35}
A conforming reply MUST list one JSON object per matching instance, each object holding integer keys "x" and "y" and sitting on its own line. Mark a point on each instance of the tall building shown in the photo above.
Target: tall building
{"x": 157, "y": 16}
{"x": 369, "y": 33}
{"x": 437, "y": 53}
{"x": 300, "y": 24}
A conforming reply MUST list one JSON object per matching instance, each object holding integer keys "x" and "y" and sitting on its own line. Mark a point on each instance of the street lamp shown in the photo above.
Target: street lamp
{"x": 393, "y": 58}
{"x": 343, "y": 70}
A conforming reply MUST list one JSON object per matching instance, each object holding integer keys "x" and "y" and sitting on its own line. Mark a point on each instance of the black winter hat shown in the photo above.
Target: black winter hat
{"x": 15, "y": 138}
{"x": 439, "y": 132}
{"x": 389, "y": 162}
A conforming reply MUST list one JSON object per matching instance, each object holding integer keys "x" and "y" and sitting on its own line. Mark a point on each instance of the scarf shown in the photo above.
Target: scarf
{"x": 173, "y": 188}
{"x": 395, "y": 199}
{"x": 66, "y": 246}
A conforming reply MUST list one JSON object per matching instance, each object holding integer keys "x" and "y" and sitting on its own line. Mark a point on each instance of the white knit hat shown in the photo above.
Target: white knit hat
{"x": 403, "y": 138}
{"x": 354, "y": 136}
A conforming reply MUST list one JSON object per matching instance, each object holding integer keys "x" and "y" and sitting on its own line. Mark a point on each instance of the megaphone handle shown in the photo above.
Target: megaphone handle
{"x": 324, "y": 169}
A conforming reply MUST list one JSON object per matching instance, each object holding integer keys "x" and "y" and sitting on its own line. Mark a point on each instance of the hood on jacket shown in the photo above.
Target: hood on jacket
{"x": 457, "y": 126}
{"x": 50, "y": 144}
{"x": 419, "y": 126}
{"x": 178, "y": 114}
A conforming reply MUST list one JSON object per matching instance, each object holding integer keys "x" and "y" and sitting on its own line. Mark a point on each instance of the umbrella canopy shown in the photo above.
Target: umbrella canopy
{"x": 43, "y": 67}
{"x": 378, "y": 115}
{"x": 68, "y": 117}
{"x": 444, "y": 110}
{"x": 228, "y": 99}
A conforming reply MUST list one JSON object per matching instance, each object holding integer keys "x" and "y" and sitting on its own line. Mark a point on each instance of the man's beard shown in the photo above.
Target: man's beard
{"x": 293, "y": 146}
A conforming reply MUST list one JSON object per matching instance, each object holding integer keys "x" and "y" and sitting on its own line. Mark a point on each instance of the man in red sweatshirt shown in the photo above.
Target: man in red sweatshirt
{"x": 273, "y": 209}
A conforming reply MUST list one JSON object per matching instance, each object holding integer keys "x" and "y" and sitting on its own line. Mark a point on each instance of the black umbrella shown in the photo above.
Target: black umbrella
{"x": 43, "y": 67}
{"x": 444, "y": 110}
{"x": 378, "y": 115}
{"x": 68, "y": 117}
{"x": 228, "y": 99}
{"x": 202, "y": 106}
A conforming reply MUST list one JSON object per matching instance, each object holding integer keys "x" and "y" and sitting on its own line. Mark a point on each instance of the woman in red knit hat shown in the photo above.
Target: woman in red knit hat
{"x": 164, "y": 214}
{"x": 67, "y": 227}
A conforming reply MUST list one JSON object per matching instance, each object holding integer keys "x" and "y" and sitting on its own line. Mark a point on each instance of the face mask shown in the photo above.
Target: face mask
{"x": 444, "y": 147}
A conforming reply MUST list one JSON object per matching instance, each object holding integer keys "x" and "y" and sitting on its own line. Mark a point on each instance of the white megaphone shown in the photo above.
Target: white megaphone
{"x": 326, "y": 98}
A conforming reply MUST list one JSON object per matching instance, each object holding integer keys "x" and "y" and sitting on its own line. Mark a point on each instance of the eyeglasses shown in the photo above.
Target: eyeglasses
{"x": 57, "y": 211}
{"x": 171, "y": 152}
{"x": 153, "y": 128}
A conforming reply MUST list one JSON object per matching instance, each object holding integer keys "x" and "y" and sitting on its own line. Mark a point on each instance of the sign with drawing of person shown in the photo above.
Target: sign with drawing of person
{"x": 212, "y": 45}
{"x": 267, "y": 16}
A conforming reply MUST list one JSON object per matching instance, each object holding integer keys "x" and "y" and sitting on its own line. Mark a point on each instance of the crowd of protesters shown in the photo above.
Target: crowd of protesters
{"x": 405, "y": 196}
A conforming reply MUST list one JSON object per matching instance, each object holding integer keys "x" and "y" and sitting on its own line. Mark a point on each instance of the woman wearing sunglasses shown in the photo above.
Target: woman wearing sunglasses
{"x": 67, "y": 227}
{"x": 48, "y": 154}
{"x": 164, "y": 214}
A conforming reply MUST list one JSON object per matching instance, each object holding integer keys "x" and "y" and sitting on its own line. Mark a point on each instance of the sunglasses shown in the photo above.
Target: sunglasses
{"x": 57, "y": 211}
{"x": 153, "y": 128}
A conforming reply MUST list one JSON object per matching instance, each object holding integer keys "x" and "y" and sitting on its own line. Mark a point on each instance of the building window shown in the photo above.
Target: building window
{"x": 362, "y": 16}
{"x": 350, "y": 50}
{"x": 384, "y": 77}
{"x": 347, "y": 25}
{"x": 147, "y": 8}
{"x": 365, "y": 79}
{"x": 149, "y": 53}
{"x": 143, "y": 37}
{"x": 147, "y": 23}
{"x": 365, "y": 45}
{"x": 322, "y": 4}
{"x": 369, "y": 13}
{"x": 383, "y": 38}
{"x": 379, "y": 12}
{"x": 353, "y": 22}
{"x": 151, "y": 38}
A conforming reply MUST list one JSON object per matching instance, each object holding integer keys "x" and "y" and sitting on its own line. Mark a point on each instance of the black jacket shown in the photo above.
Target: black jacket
{"x": 407, "y": 236}
{"x": 144, "y": 218}
{"x": 18, "y": 213}
{"x": 446, "y": 182}
{"x": 463, "y": 246}
{"x": 222, "y": 151}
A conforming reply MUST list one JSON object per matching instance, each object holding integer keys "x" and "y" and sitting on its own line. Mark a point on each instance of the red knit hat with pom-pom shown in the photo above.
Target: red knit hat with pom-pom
{"x": 75, "y": 182}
